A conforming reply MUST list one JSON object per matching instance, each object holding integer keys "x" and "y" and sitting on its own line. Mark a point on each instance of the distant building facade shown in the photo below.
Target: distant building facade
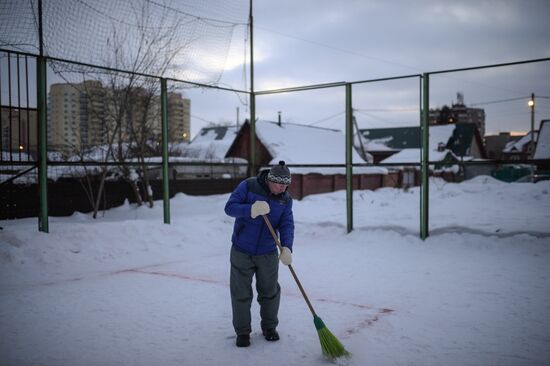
{"x": 19, "y": 131}
{"x": 179, "y": 118}
{"x": 458, "y": 113}
{"x": 82, "y": 115}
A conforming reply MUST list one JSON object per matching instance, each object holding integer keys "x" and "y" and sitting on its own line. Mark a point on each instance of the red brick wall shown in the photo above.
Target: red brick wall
{"x": 304, "y": 185}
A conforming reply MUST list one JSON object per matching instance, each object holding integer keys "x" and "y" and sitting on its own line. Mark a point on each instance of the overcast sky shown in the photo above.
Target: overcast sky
{"x": 305, "y": 42}
{"x": 320, "y": 41}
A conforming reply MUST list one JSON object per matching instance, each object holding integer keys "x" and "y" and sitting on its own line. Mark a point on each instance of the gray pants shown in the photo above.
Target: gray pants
{"x": 266, "y": 269}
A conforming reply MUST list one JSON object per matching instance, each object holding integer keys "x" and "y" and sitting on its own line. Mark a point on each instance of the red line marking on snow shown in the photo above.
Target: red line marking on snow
{"x": 364, "y": 323}
{"x": 207, "y": 280}
{"x": 348, "y": 332}
{"x": 175, "y": 275}
{"x": 381, "y": 310}
{"x": 148, "y": 266}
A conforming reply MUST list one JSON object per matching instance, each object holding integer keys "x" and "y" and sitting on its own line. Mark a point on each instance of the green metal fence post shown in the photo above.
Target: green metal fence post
{"x": 349, "y": 158}
{"x": 42, "y": 144}
{"x": 425, "y": 157}
{"x": 165, "y": 175}
{"x": 252, "y": 154}
{"x": 41, "y": 92}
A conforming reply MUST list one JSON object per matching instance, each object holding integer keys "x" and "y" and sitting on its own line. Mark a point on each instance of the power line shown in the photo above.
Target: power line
{"x": 499, "y": 101}
{"x": 383, "y": 120}
{"x": 202, "y": 119}
{"x": 386, "y": 109}
{"x": 326, "y": 118}
{"x": 508, "y": 100}
{"x": 334, "y": 48}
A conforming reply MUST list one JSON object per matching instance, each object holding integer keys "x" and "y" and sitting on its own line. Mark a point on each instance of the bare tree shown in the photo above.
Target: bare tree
{"x": 136, "y": 99}
{"x": 127, "y": 123}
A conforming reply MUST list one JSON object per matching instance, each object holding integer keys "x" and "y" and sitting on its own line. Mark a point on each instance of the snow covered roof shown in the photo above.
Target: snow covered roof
{"x": 542, "y": 150}
{"x": 519, "y": 144}
{"x": 211, "y": 142}
{"x": 376, "y": 144}
{"x": 440, "y": 135}
{"x": 407, "y": 156}
{"x": 300, "y": 144}
{"x": 463, "y": 139}
{"x": 398, "y": 138}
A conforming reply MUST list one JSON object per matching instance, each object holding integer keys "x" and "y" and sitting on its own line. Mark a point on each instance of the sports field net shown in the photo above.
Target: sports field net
{"x": 185, "y": 39}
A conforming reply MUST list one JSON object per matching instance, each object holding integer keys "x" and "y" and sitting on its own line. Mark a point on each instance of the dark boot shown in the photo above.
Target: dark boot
{"x": 271, "y": 334}
{"x": 243, "y": 340}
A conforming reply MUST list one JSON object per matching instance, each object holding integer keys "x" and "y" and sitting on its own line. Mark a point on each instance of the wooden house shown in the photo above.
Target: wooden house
{"x": 448, "y": 144}
{"x": 308, "y": 146}
{"x": 463, "y": 139}
{"x": 520, "y": 149}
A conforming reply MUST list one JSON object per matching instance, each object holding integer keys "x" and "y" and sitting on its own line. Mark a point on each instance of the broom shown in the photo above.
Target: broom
{"x": 330, "y": 345}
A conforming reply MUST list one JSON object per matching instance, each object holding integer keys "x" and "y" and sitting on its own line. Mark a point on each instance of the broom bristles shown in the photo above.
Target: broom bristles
{"x": 330, "y": 345}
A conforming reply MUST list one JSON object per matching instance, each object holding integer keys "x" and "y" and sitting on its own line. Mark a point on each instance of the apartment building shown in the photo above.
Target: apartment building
{"x": 459, "y": 113}
{"x": 87, "y": 114}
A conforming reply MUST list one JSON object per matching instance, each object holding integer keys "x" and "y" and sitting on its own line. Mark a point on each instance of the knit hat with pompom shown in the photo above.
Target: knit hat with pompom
{"x": 279, "y": 174}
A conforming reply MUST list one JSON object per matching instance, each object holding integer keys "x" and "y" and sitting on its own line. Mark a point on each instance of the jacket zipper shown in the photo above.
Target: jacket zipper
{"x": 262, "y": 228}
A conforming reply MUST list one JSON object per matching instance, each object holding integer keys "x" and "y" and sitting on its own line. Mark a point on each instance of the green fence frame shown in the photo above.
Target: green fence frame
{"x": 42, "y": 163}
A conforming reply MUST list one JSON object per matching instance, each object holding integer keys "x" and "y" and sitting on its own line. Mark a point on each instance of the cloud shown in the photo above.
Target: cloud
{"x": 471, "y": 13}
{"x": 314, "y": 42}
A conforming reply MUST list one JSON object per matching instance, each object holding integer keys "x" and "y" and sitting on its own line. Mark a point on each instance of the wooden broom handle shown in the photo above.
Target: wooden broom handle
{"x": 276, "y": 238}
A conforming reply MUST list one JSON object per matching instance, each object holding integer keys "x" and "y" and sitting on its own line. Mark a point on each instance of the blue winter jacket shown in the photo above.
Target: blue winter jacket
{"x": 250, "y": 235}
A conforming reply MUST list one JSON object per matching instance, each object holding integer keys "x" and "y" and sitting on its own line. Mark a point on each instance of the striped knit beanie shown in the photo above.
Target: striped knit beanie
{"x": 279, "y": 174}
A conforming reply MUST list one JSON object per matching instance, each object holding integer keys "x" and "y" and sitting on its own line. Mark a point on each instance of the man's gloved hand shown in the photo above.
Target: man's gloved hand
{"x": 259, "y": 208}
{"x": 286, "y": 256}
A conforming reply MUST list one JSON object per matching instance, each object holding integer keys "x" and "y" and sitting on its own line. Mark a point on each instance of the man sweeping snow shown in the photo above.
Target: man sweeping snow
{"x": 254, "y": 252}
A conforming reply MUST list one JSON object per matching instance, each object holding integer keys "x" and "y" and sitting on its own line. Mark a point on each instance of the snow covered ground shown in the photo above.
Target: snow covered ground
{"x": 127, "y": 289}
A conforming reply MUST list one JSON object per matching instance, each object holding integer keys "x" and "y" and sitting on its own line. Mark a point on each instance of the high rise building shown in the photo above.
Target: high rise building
{"x": 85, "y": 115}
{"x": 458, "y": 113}
{"x": 179, "y": 118}
{"x": 76, "y": 116}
